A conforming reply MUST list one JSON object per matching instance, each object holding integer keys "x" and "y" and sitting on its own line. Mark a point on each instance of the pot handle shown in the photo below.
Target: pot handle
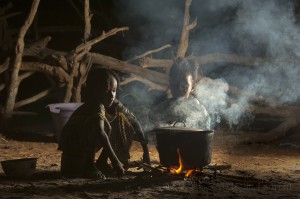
{"x": 179, "y": 122}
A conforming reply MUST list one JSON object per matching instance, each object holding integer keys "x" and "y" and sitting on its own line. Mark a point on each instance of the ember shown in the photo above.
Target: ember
{"x": 189, "y": 172}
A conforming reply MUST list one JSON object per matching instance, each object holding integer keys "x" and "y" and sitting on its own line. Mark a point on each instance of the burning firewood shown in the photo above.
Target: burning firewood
{"x": 148, "y": 167}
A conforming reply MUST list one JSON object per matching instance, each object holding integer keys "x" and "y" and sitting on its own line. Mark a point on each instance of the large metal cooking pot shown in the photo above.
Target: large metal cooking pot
{"x": 195, "y": 146}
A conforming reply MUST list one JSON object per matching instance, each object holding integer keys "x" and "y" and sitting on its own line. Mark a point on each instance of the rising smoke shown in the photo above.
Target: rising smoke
{"x": 252, "y": 28}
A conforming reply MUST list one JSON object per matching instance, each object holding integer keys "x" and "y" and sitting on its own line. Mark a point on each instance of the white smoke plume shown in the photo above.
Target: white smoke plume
{"x": 251, "y": 28}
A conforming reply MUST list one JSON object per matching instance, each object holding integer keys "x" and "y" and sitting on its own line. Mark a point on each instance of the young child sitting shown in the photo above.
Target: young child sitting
{"x": 101, "y": 122}
{"x": 183, "y": 106}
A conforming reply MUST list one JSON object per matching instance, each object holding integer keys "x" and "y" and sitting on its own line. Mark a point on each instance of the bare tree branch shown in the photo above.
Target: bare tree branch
{"x": 100, "y": 38}
{"x": 4, "y": 66}
{"x": 289, "y": 114}
{"x": 57, "y": 72}
{"x": 13, "y": 88}
{"x": 122, "y": 66}
{"x": 25, "y": 75}
{"x": 214, "y": 58}
{"x": 10, "y": 15}
{"x": 184, "y": 40}
{"x": 87, "y": 20}
{"x": 62, "y": 61}
{"x": 36, "y": 47}
{"x": 150, "y": 84}
{"x": 150, "y": 52}
{"x": 83, "y": 67}
{"x": 148, "y": 62}
{"x": 34, "y": 98}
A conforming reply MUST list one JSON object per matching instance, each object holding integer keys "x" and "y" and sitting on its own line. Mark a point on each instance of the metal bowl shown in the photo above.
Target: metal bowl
{"x": 19, "y": 168}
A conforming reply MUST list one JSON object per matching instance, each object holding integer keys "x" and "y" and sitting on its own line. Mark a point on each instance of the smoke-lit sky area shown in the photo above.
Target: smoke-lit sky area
{"x": 251, "y": 28}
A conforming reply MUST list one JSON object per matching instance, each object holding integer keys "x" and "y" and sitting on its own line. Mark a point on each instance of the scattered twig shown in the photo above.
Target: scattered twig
{"x": 3, "y": 139}
{"x": 148, "y": 167}
{"x": 218, "y": 167}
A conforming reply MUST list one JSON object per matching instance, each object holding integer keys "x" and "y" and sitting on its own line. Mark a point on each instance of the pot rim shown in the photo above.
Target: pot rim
{"x": 184, "y": 129}
{"x": 180, "y": 129}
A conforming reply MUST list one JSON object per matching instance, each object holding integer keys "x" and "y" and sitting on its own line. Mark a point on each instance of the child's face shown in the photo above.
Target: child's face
{"x": 184, "y": 87}
{"x": 108, "y": 92}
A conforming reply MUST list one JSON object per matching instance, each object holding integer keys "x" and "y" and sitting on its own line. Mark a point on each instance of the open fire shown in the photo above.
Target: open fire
{"x": 181, "y": 166}
{"x": 183, "y": 148}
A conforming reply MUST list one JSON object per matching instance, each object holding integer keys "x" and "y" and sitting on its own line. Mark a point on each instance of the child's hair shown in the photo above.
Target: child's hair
{"x": 97, "y": 77}
{"x": 181, "y": 68}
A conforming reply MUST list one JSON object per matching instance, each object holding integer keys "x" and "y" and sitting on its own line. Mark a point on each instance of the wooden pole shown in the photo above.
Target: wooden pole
{"x": 14, "y": 83}
{"x": 184, "y": 40}
{"x": 84, "y": 67}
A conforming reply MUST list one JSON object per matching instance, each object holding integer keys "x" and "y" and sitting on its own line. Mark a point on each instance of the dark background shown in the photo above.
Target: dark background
{"x": 258, "y": 28}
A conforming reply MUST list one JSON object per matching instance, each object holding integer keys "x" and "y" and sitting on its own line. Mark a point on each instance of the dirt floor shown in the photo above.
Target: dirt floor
{"x": 257, "y": 171}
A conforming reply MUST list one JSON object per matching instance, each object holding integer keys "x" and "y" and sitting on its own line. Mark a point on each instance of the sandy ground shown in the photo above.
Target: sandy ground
{"x": 257, "y": 170}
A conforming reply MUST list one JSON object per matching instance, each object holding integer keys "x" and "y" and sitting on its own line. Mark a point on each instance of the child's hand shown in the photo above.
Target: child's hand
{"x": 120, "y": 171}
{"x": 105, "y": 168}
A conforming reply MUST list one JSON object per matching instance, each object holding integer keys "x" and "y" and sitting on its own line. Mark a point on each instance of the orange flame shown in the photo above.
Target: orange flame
{"x": 179, "y": 170}
{"x": 180, "y": 163}
{"x": 189, "y": 172}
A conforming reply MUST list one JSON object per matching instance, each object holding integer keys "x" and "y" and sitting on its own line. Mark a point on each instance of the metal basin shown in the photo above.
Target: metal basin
{"x": 19, "y": 168}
